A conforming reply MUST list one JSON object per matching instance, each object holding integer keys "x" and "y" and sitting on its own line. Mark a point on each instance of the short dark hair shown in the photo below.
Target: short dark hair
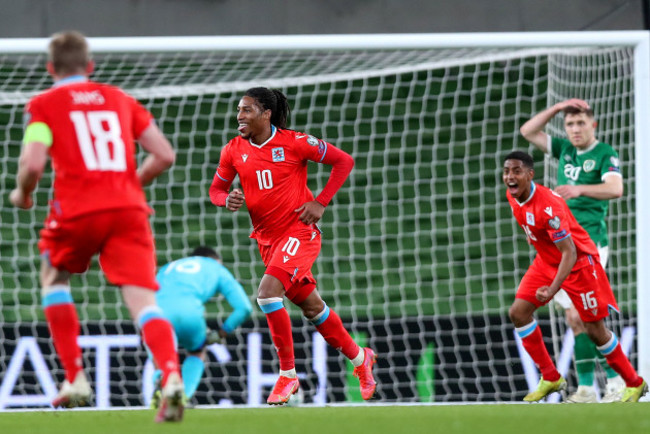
{"x": 274, "y": 100}
{"x": 207, "y": 252}
{"x": 521, "y": 156}
{"x": 68, "y": 52}
{"x": 572, "y": 110}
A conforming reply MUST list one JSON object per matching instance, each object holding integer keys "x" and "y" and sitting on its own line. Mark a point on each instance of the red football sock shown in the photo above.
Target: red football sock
{"x": 158, "y": 335}
{"x": 64, "y": 327}
{"x": 337, "y": 336}
{"x": 280, "y": 327}
{"x": 534, "y": 345}
{"x": 621, "y": 364}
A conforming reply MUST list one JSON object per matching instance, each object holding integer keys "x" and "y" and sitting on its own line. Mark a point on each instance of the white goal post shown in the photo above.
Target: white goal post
{"x": 421, "y": 255}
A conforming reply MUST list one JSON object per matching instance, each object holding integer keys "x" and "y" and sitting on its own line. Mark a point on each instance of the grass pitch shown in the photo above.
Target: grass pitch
{"x": 447, "y": 419}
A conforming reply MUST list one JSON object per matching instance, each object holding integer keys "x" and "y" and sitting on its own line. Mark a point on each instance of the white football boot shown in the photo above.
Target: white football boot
{"x": 75, "y": 394}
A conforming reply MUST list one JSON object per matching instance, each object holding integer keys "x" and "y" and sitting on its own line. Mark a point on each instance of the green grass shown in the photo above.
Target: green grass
{"x": 447, "y": 419}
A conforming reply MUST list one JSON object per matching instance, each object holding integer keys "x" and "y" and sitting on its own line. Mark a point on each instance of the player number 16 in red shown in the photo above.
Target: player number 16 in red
{"x": 588, "y": 300}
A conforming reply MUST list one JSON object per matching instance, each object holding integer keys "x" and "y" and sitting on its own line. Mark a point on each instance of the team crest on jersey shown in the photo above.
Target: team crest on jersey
{"x": 278, "y": 154}
{"x": 530, "y": 218}
{"x": 312, "y": 140}
{"x": 554, "y": 222}
{"x": 589, "y": 165}
{"x": 244, "y": 157}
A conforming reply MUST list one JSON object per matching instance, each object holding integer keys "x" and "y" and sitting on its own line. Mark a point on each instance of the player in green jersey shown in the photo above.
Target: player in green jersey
{"x": 588, "y": 176}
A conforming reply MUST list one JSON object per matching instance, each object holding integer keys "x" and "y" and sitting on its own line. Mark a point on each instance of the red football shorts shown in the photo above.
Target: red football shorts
{"x": 587, "y": 286}
{"x": 122, "y": 237}
{"x": 290, "y": 258}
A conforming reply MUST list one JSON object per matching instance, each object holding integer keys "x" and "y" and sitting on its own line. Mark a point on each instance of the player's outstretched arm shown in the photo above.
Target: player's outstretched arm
{"x": 161, "y": 154}
{"x": 237, "y": 299}
{"x": 30, "y": 169}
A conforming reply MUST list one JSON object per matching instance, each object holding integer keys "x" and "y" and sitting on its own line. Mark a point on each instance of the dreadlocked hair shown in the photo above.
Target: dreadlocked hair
{"x": 274, "y": 100}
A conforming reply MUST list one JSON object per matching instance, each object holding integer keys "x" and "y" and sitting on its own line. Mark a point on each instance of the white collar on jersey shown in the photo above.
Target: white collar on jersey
{"x": 588, "y": 148}
{"x": 71, "y": 79}
{"x": 273, "y": 130}
{"x": 533, "y": 187}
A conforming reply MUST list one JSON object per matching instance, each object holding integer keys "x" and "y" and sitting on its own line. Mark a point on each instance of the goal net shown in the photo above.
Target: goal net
{"x": 421, "y": 256}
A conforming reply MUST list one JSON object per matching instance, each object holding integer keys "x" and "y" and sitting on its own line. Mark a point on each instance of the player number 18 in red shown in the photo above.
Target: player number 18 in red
{"x": 99, "y": 135}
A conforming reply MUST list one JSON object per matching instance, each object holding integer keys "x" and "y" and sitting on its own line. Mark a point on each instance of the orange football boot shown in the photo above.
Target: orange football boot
{"x": 363, "y": 372}
{"x": 283, "y": 389}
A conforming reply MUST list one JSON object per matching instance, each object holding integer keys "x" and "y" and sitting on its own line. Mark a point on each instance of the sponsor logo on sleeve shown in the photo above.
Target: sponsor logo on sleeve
{"x": 615, "y": 165}
{"x": 554, "y": 222}
{"x": 313, "y": 141}
{"x": 559, "y": 235}
{"x": 244, "y": 157}
{"x": 549, "y": 210}
{"x": 277, "y": 154}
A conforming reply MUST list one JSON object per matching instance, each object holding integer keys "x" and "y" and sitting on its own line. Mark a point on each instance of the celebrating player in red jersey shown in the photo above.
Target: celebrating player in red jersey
{"x": 271, "y": 162}
{"x": 98, "y": 206}
{"x": 567, "y": 258}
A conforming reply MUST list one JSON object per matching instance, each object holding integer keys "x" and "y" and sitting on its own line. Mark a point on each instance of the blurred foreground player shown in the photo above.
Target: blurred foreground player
{"x": 98, "y": 207}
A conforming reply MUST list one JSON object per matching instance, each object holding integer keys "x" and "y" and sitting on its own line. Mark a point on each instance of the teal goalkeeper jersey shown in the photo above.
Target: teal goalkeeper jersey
{"x": 197, "y": 279}
{"x": 586, "y": 167}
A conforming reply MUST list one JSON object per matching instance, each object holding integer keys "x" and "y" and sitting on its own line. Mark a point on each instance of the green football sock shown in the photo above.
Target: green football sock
{"x": 583, "y": 351}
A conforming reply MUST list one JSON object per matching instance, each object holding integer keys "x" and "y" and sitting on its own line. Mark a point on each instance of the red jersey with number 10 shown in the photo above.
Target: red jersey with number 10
{"x": 273, "y": 176}
{"x": 546, "y": 219}
{"x": 93, "y": 129}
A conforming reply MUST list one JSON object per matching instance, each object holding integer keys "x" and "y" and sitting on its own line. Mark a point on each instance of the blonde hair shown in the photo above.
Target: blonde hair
{"x": 68, "y": 52}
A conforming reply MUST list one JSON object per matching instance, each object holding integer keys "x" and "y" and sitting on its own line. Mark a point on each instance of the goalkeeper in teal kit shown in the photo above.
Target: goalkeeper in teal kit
{"x": 185, "y": 286}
